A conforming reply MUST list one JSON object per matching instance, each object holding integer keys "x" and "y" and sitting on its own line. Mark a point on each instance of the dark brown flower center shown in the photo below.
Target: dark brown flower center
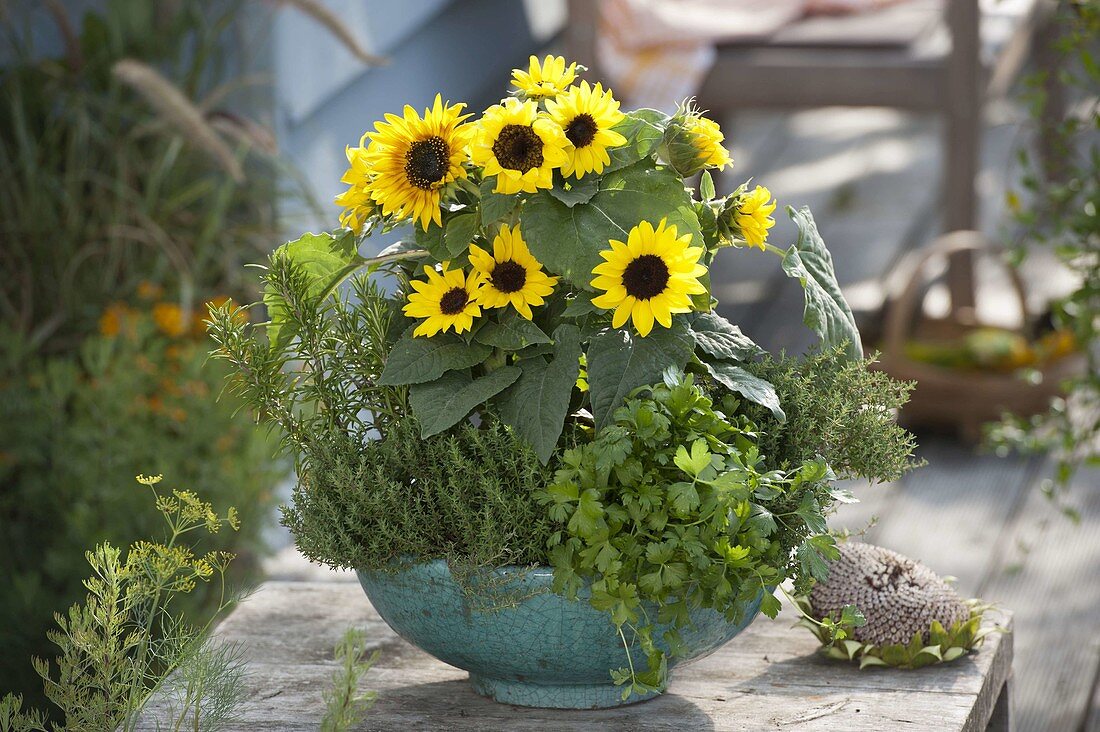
{"x": 518, "y": 148}
{"x": 453, "y": 301}
{"x": 646, "y": 277}
{"x": 509, "y": 277}
{"x": 426, "y": 162}
{"x": 581, "y": 130}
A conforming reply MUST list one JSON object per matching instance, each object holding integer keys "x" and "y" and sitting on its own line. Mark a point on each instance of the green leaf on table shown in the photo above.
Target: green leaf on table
{"x": 536, "y": 404}
{"x": 417, "y": 360}
{"x": 643, "y": 129}
{"x": 721, "y": 339}
{"x": 448, "y": 400}
{"x": 572, "y": 191}
{"x": 751, "y": 387}
{"x": 459, "y": 233}
{"x": 826, "y": 311}
{"x": 568, "y": 241}
{"x": 512, "y": 333}
{"x": 620, "y": 361}
{"x": 495, "y": 206}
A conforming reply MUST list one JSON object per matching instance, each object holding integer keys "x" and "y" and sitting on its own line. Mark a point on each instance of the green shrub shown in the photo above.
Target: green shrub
{"x": 131, "y": 169}
{"x": 75, "y": 430}
{"x": 836, "y": 408}
{"x": 467, "y": 496}
{"x": 105, "y": 187}
{"x": 127, "y": 639}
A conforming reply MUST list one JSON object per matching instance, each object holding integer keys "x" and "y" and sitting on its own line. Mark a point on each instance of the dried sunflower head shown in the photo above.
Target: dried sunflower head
{"x": 913, "y": 617}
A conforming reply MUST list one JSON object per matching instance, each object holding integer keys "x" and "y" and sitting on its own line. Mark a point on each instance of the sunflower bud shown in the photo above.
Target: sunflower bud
{"x": 693, "y": 142}
{"x": 745, "y": 216}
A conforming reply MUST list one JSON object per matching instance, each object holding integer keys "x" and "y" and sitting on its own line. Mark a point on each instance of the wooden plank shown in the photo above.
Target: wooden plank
{"x": 1048, "y": 575}
{"x": 1092, "y": 723}
{"x": 771, "y": 676}
{"x": 902, "y": 24}
{"x": 950, "y": 513}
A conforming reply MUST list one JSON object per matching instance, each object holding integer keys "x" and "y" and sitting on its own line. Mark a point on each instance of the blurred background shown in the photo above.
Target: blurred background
{"x": 149, "y": 150}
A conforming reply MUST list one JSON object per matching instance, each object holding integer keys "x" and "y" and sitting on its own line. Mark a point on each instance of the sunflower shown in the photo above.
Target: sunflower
{"x": 510, "y": 275}
{"x": 445, "y": 301}
{"x": 356, "y": 201}
{"x": 519, "y": 146}
{"x": 753, "y": 216}
{"x": 707, "y": 139}
{"x": 587, "y": 115}
{"x": 545, "y": 80}
{"x": 411, "y": 158}
{"x": 650, "y": 277}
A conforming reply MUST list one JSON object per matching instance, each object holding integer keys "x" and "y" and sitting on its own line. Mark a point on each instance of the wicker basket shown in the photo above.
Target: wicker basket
{"x": 963, "y": 399}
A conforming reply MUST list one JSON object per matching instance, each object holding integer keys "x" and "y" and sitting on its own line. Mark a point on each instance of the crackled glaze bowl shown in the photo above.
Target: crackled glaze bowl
{"x": 521, "y": 643}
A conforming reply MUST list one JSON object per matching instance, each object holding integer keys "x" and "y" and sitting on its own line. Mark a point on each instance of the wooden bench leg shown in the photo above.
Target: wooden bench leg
{"x": 962, "y": 143}
{"x": 1001, "y": 721}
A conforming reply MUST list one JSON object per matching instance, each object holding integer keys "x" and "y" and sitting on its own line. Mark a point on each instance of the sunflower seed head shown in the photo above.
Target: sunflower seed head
{"x": 899, "y": 597}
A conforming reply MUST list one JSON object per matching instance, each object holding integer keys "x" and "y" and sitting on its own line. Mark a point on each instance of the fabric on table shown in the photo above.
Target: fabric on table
{"x": 656, "y": 53}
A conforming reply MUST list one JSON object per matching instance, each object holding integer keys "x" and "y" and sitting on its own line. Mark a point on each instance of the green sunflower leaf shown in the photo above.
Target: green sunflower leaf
{"x": 751, "y": 387}
{"x": 643, "y": 129}
{"x": 417, "y": 360}
{"x": 720, "y": 339}
{"x": 536, "y": 404}
{"x": 448, "y": 400}
{"x": 319, "y": 256}
{"x": 572, "y": 191}
{"x": 568, "y": 241}
{"x": 826, "y": 311}
{"x": 326, "y": 260}
{"x": 495, "y": 206}
{"x": 619, "y": 362}
{"x": 432, "y": 241}
{"x": 460, "y": 231}
{"x": 580, "y": 306}
{"x": 512, "y": 333}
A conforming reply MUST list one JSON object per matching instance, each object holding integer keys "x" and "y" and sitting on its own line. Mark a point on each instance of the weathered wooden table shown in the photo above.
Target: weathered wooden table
{"x": 770, "y": 677}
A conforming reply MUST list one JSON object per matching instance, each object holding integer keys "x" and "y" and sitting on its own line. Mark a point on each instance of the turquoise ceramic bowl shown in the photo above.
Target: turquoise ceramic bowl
{"x": 542, "y": 651}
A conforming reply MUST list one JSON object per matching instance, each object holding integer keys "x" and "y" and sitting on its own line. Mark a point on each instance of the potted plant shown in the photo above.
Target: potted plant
{"x": 549, "y": 458}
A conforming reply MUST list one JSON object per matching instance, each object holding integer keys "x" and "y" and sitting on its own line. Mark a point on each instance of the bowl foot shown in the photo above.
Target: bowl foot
{"x": 554, "y": 696}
